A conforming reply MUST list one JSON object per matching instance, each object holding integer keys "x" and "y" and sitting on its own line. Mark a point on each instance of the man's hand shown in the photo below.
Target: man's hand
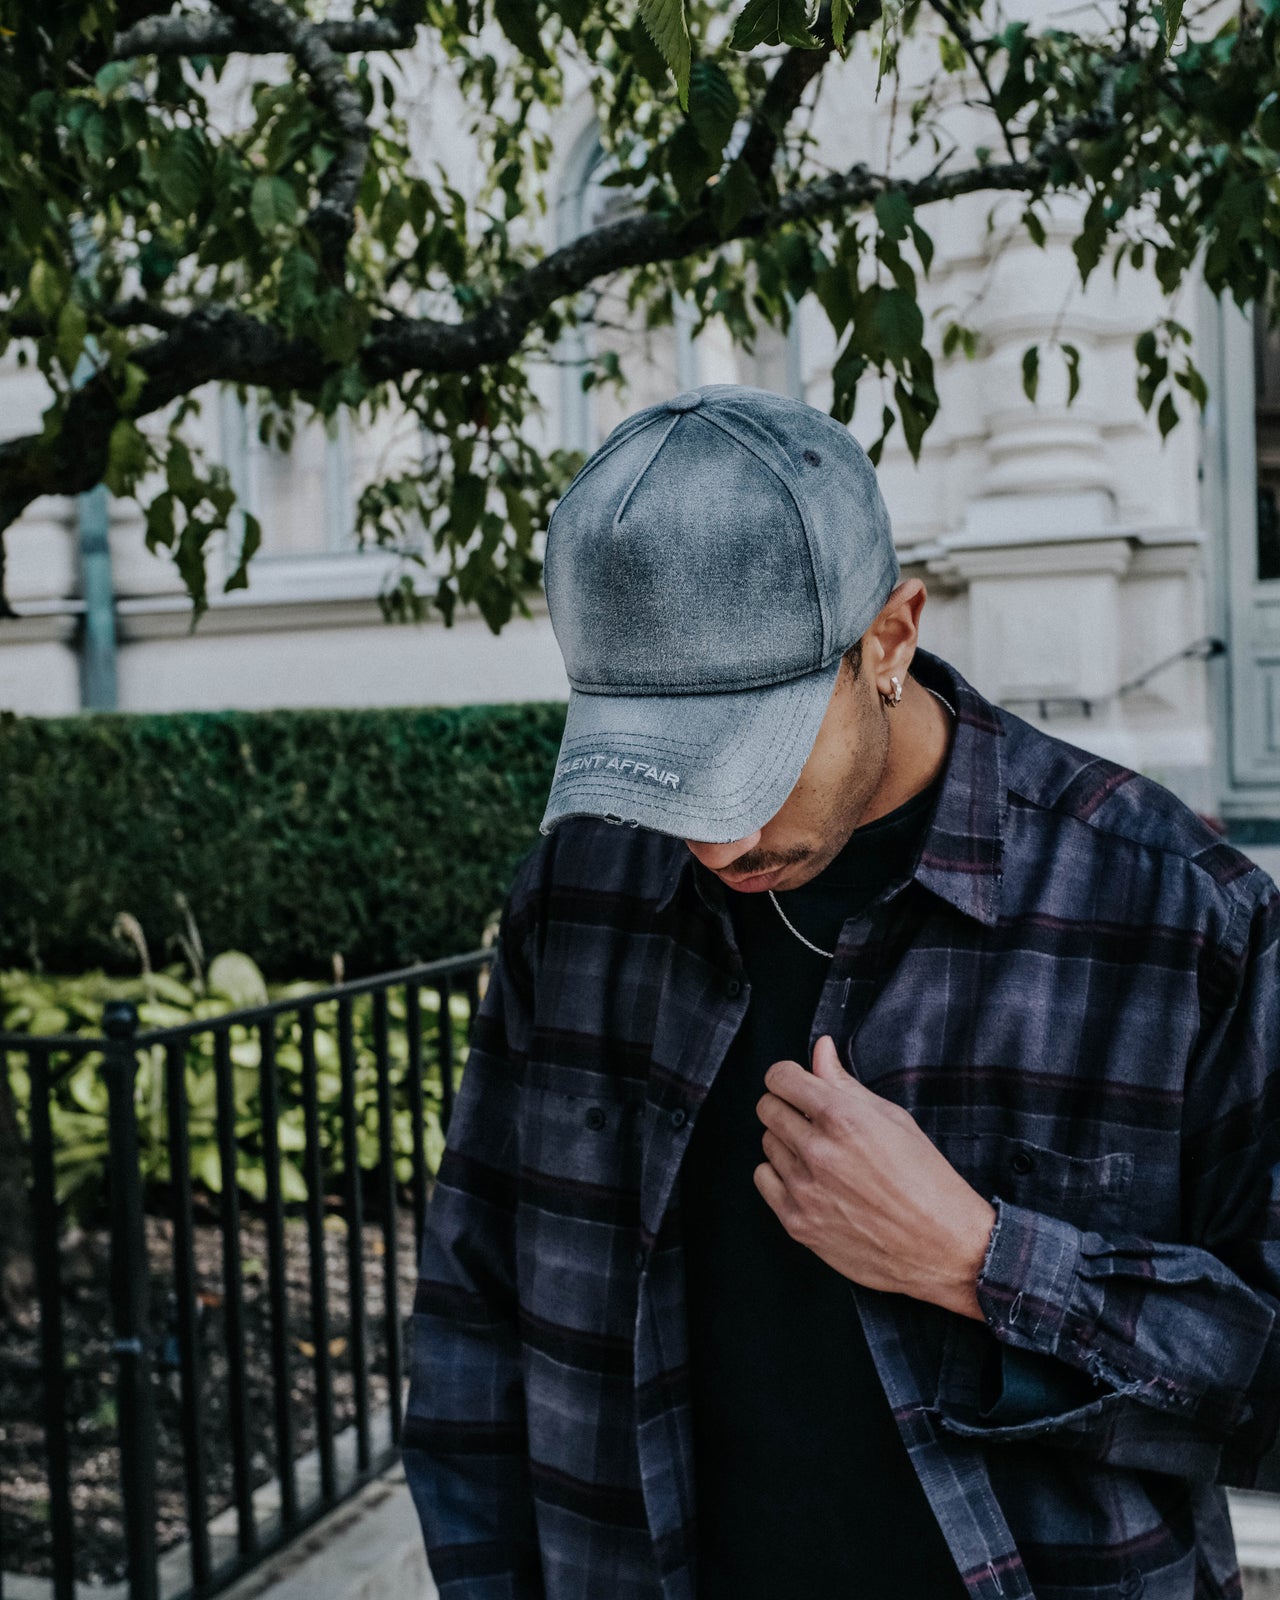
{"x": 851, "y": 1176}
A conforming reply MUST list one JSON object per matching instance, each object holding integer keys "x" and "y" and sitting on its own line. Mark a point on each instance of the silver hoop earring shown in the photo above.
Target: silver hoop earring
{"x": 896, "y": 696}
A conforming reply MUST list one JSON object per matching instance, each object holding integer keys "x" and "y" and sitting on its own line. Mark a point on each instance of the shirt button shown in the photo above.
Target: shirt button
{"x": 732, "y": 988}
{"x": 1023, "y": 1163}
{"x": 1132, "y": 1584}
{"x": 677, "y": 1117}
{"x": 595, "y": 1117}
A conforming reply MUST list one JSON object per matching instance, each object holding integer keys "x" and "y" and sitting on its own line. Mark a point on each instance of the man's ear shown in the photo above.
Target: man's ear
{"x": 895, "y": 632}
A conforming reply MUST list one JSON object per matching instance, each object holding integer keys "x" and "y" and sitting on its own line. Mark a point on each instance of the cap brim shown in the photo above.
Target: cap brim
{"x": 709, "y": 767}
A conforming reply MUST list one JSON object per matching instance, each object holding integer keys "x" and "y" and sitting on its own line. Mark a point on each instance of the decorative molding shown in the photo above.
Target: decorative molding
{"x": 169, "y": 617}
{"x": 1106, "y": 556}
{"x": 43, "y": 622}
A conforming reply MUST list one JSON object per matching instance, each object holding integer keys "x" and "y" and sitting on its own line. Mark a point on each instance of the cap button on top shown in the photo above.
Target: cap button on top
{"x": 690, "y": 400}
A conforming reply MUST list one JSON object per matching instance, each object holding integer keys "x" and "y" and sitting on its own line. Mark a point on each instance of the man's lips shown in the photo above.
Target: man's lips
{"x": 756, "y": 881}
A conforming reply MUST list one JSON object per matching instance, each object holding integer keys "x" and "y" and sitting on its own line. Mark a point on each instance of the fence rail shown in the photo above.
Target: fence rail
{"x": 407, "y": 1081}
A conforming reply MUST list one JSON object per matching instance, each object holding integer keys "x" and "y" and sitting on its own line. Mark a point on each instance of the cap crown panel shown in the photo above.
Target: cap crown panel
{"x": 663, "y": 570}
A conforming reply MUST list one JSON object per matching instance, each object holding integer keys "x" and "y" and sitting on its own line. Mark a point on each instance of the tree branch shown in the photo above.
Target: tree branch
{"x": 332, "y": 219}
{"x": 219, "y": 343}
{"x": 186, "y": 35}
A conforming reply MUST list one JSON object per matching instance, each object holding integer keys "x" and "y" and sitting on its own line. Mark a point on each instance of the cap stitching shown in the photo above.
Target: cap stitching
{"x": 653, "y": 455}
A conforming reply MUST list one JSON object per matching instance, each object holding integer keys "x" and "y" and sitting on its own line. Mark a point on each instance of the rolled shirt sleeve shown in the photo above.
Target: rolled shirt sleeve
{"x": 1185, "y": 1332}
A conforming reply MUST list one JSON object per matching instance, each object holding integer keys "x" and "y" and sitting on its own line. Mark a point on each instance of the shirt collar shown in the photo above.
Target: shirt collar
{"x": 961, "y": 860}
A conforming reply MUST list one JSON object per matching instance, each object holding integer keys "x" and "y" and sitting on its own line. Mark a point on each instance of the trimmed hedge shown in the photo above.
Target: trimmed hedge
{"x": 389, "y": 836}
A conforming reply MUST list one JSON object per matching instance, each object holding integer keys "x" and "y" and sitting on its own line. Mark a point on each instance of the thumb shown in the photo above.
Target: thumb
{"x": 826, "y": 1061}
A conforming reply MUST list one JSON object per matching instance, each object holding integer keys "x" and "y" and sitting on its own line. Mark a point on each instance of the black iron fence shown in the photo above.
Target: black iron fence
{"x": 250, "y": 1396}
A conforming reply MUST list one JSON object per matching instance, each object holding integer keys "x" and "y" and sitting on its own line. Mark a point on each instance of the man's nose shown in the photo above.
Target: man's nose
{"x": 719, "y": 856}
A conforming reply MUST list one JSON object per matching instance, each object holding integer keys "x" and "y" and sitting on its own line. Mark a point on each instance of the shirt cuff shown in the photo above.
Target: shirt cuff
{"x": 1028, "y": 1274}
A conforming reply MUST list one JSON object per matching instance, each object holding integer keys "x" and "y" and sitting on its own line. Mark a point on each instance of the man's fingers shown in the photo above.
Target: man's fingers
{"x": 799, "y": 1087}
{"x": 789, "y": 1124}
{"x": 771, "y": 1187}
{"x": 782, "y": 1158}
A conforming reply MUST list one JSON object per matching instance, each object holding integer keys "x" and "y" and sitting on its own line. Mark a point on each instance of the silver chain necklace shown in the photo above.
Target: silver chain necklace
{"x": 808, "y": 943}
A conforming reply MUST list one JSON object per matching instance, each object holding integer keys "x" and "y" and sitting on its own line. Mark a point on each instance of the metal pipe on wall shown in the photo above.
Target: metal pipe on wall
{"x": 98, "y": 691}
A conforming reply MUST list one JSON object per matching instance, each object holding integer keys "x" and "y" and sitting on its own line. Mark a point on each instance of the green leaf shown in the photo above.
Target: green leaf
{"x": 299, "y": 272}
{"x": 951, "y": 52}
{"x": 1192, "y": 380}
{"x": 518, "y": 19}
{"x": 841, "y": 11}
{"x": 665, "y": 21}
{"x": 127, "y": 457}
{"x": 45, "y": 286}
{"x": 73, "y": 325}
{"x": 249, "y": 546}
{"x": 1167, "y": 415}
{"x": 645, "y": 56}
{"x": 894, "y": 213}
{"x": 156, "y": 261}
{"x": 845, "y": 375}
{"x": 1088, "y": 244}
{"x": 836, "y": 291}
{"x": 272, "y": 204}
{"x": 713, "y": 106}
{"x": 924, "y": 246}
{"x": 1172, "y": 20}
{"x": 466, "y": 502}
{"x": 774, "y": 22}
{"x": 734, "y": 197}
{"x": 916, "y": 414}
{"x": 888, "y": 417}
{"x": 898, "y": 324}
{"x": 1031, "y": 372}
{"x": 1072, "y": 357}
{"x": 688, "y": 163}
{"x": 160, "y": 527}
{"x": 180, "y": 171}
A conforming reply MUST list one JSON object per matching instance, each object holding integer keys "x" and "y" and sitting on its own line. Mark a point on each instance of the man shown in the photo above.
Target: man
{"x": 863, "y": 1177}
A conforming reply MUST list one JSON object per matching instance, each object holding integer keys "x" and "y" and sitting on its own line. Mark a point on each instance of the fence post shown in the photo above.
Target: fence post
{"x": 129, "y": 1294}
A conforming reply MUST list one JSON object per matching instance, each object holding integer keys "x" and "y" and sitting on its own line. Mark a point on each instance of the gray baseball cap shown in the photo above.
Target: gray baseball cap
{"x": 705, "y": 571}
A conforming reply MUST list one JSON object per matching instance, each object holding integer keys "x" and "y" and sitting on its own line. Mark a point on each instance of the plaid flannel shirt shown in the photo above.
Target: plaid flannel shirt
{"x": 1077, "y": 996}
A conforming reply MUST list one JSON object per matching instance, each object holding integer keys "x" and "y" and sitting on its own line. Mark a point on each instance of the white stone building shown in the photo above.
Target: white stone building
{"x": 1078, "y": 567}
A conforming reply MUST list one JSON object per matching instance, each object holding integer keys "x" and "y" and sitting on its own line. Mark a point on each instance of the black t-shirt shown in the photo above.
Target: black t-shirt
{"x": 804, "y": 1488}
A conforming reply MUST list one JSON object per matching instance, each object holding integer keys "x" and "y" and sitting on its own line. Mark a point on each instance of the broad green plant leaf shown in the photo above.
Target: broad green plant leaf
{"x": 669, "y": 29}
{"x": 774, "y": 22}
{"x": 518, "y": 19}
{"x": 272, "y": 205}
{"x": 713, "y": 107}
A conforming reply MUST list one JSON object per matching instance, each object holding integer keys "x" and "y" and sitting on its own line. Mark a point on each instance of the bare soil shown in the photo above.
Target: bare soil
{"x": 92, "y": 1421}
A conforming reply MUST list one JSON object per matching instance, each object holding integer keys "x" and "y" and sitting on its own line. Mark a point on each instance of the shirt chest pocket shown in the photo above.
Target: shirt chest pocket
{"x": 1091, "y": 1191}
{"x": 588, "y": 1144}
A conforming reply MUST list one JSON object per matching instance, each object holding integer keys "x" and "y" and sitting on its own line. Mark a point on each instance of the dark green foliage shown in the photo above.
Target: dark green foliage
{"x": 388, "y": 836}
{"x": 79, "y": 1102}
